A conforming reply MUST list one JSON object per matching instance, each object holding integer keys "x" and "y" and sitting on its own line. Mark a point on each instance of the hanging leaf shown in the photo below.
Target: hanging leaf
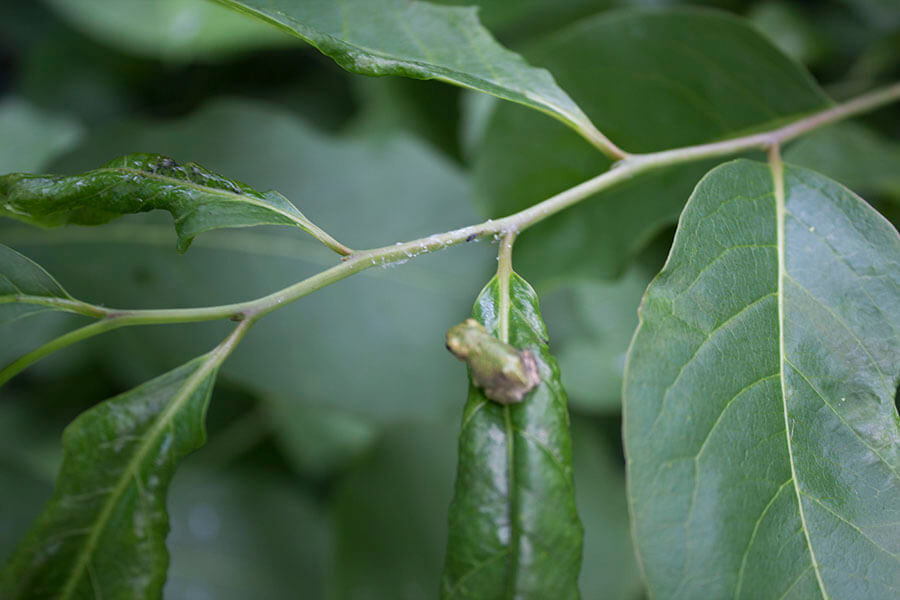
{"x": 422, "y": 41}
{"x": 102, "y": 534}
{"x": 514, "y": 530}
{"x": 762, "y": 439}
{"x": 198, "y": 199}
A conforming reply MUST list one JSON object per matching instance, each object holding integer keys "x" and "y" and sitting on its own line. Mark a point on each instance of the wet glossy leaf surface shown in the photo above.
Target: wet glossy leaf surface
{"x": 198, "y": 199}
{"x": 514, "y": 530}
{"x": 102, "y": 534}
{"x": 422, "y": 41}
{"x": 762, "y": 439}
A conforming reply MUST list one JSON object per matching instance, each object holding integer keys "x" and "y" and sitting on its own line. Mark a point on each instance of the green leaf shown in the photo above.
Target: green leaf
{"x": 762, "y": 440}
{"x": 21, "y": 276}
{"x": 38, "y": 136}
{"x": 514, "y": 530}
{"x": 102, "y": 534}
{"x": 198, "y": 199}
{"x": 651, "y": 80}
{"x": 422, "y": 41}
{"x": 168, "y": 29}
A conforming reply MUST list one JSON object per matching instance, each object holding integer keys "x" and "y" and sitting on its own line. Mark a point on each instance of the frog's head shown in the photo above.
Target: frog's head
{"x": 461, "y": 338}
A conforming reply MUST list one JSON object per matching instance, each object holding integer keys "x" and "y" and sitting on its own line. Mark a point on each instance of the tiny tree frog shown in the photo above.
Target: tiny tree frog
{"x": 504, "y": 373}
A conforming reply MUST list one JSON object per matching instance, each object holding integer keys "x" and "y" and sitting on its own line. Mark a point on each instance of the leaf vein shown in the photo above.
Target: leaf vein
{"x": 847, "y": 327}
{"x": 746, "y": 553}
{"x": 700, "y": 347}
{"x": 841, "y": 418}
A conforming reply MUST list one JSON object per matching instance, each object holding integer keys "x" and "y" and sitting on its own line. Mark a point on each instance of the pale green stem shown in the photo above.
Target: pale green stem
{"x": 323, "y": 236}
{"x": 82, "y": 333}
{"x": 633, "y": 165}
{"x": 504, "y": 271}
{"x": 226, "y": 346}
{"x": 62, "y": 304}
{"x": 603, "y": 143}
{"x": 108, "y": 323}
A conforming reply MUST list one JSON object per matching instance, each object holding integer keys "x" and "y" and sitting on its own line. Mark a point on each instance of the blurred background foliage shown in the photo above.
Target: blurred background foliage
{"x": 333, "y": 428}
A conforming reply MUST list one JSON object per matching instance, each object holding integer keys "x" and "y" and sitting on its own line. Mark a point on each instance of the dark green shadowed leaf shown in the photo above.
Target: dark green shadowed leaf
{"x": 102, "y": 533}
{"x": 762, "y": 439}
{"x": 651, "y": 80}
{"x": 21, "y": 276}
{"x": 514, "y": 530}
{"x": 198, "y": 199}
{"x": 422, "y": 41}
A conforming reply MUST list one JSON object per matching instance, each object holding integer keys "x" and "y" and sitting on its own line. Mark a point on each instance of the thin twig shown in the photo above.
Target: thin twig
{"x": 628, "y": 168}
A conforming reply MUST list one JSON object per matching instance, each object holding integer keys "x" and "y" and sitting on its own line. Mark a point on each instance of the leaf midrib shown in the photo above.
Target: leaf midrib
{"x": 504, "y": 276}
{"x": 777, "y": 170}
{"x": 225, "y": 195}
